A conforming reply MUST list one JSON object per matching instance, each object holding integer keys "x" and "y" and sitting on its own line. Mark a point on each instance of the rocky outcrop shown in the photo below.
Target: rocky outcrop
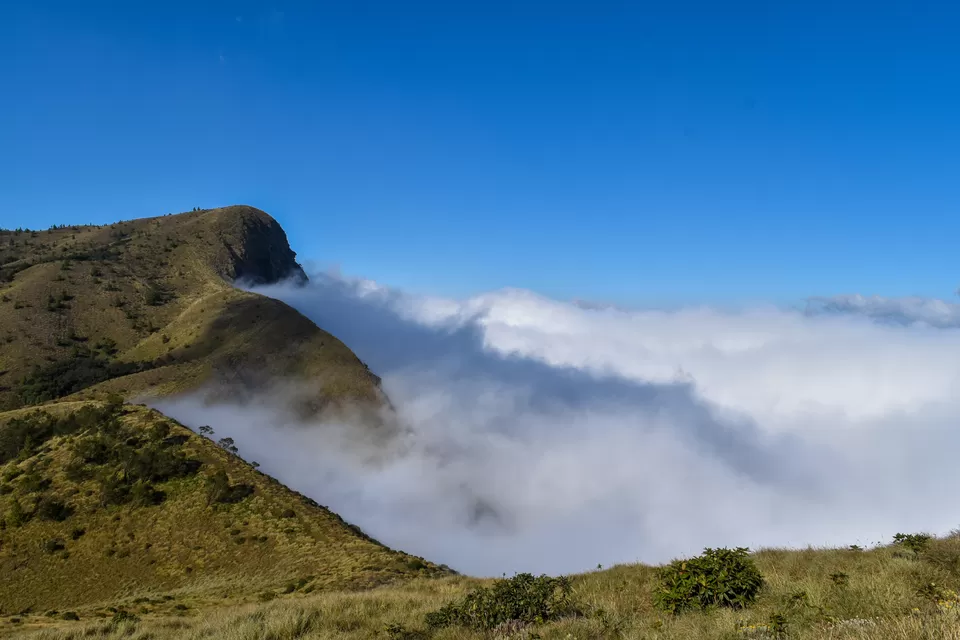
{"x": 255, "y": 247}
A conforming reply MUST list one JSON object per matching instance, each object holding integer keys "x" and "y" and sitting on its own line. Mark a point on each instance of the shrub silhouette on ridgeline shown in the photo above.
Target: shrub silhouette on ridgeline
{"x": 717, "y": 577}
{"x": 523, "y": 598}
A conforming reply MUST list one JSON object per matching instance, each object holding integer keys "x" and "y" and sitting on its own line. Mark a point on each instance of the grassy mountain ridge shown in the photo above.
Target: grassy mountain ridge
{"x": 148, "y": 307}
{"x": 102, "y": 502}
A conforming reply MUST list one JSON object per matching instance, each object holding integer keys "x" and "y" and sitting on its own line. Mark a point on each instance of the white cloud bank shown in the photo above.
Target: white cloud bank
{"x": 547, "y": 436}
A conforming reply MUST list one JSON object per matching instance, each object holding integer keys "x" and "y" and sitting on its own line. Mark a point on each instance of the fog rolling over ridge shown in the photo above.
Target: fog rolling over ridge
{"x": 552, "y": 437}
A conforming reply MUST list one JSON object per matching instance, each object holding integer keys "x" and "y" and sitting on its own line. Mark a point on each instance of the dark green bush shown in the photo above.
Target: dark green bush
{"x": 122, "y": 616}
{"x": 220, "y": 491}
{"x": 52, "y": 509}
{"x": 15, "y": 516}
{"x": 82, "y": 369}
{"x": 144, "y": 495}
{"x": 717, "y": 577}
{"x": 52, "y": 546}
{"x": 127, "y": 462}
{"x": 524, "y": 598}
{"x": 22, "y": 437}
{"x": 33, "y": 482}
{"x": 915, "y": 542}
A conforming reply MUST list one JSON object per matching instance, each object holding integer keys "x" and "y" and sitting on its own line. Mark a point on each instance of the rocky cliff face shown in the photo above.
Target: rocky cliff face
{"x": 255, "y": 247}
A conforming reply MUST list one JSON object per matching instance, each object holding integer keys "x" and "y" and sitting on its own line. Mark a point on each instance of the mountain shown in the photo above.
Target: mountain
{"x": 148, "y": 307}
{"x": 102, "y": 499}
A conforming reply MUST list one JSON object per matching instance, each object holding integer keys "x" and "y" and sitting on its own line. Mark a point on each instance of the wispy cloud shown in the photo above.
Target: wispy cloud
{"x": 903, "y": 311}
{"x": 548, "y": 436}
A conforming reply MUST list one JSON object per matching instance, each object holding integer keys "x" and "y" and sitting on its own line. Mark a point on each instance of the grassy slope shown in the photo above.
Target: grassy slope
{"x": 880, "y": 593}
{"x": 201, "y": 552}
{"x": 198, "y": 327}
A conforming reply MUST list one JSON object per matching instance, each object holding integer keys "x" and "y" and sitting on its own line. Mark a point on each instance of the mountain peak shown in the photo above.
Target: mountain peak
{"x": 254, "y": 247}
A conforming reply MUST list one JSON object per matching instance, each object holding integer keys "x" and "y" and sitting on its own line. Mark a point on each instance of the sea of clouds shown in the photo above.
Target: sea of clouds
{"x": 548, "y": 436}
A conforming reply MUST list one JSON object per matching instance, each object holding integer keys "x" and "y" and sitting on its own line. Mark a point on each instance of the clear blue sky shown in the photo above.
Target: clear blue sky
{"x": 617, "y": 151}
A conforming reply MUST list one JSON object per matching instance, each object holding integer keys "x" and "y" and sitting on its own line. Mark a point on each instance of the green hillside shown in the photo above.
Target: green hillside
{"x": 102, "y": 501}
{"x": 148, "y": 307}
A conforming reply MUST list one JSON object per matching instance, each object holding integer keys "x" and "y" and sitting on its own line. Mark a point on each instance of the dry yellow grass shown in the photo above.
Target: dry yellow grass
{"x": 878, "y": 603}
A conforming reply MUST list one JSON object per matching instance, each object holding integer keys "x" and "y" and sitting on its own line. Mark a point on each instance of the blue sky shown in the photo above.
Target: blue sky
{"x": 627, "y": 152}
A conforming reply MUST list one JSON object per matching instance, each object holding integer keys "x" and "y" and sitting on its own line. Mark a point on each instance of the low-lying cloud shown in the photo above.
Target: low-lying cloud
{"x": 549, "y": 436}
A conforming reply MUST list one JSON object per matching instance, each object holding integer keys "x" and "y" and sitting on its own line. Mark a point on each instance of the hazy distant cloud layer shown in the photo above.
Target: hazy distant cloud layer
{"x": 548, "y": 436}
{"x": 904, "y": 311}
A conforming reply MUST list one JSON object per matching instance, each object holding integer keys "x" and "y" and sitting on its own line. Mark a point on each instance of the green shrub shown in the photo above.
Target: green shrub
{"x": 15, "y": 516}
{"x": 525, "y": 598}
{"x": 52, "y": 509}
{"x": 82, "y": 369}
{"x": 33, "y": 482}
{"x": 127, "y": 461}
{"x": 915, "y": 542}
{"x": 144, "y": 495}
{"x": 717, "y": 577}
{"x": 22, "y": 437}
{"x": 54, "y": 545}
{"x": 123, "y": 616}
{"x": 220, "y": 491}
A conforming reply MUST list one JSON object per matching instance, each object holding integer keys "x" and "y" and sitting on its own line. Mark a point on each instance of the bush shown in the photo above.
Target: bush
{"x": 915, "y": 542}
{"x": 52, "y": 546}
{"x": 220, "y": 491}
{"x": 717, "y": 577}
{"x": 156, "y": 295}
{"x": 123, "y": 616}
{"x": 127, "y": 461}
{"x": 84, "y": 368}
{"x": 524, "y": 598}
{"x": 144, "y": 495}
{"x": 52, "y": 509}
{"x": 16, "y": 516}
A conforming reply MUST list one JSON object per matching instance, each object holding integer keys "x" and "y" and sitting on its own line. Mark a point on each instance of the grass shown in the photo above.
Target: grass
{"x": 75, "y": 550}
{"x": 880, "y": 601}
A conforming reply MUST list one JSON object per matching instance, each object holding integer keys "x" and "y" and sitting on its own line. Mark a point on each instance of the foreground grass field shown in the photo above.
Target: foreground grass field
{"x": 892, "y": 592}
